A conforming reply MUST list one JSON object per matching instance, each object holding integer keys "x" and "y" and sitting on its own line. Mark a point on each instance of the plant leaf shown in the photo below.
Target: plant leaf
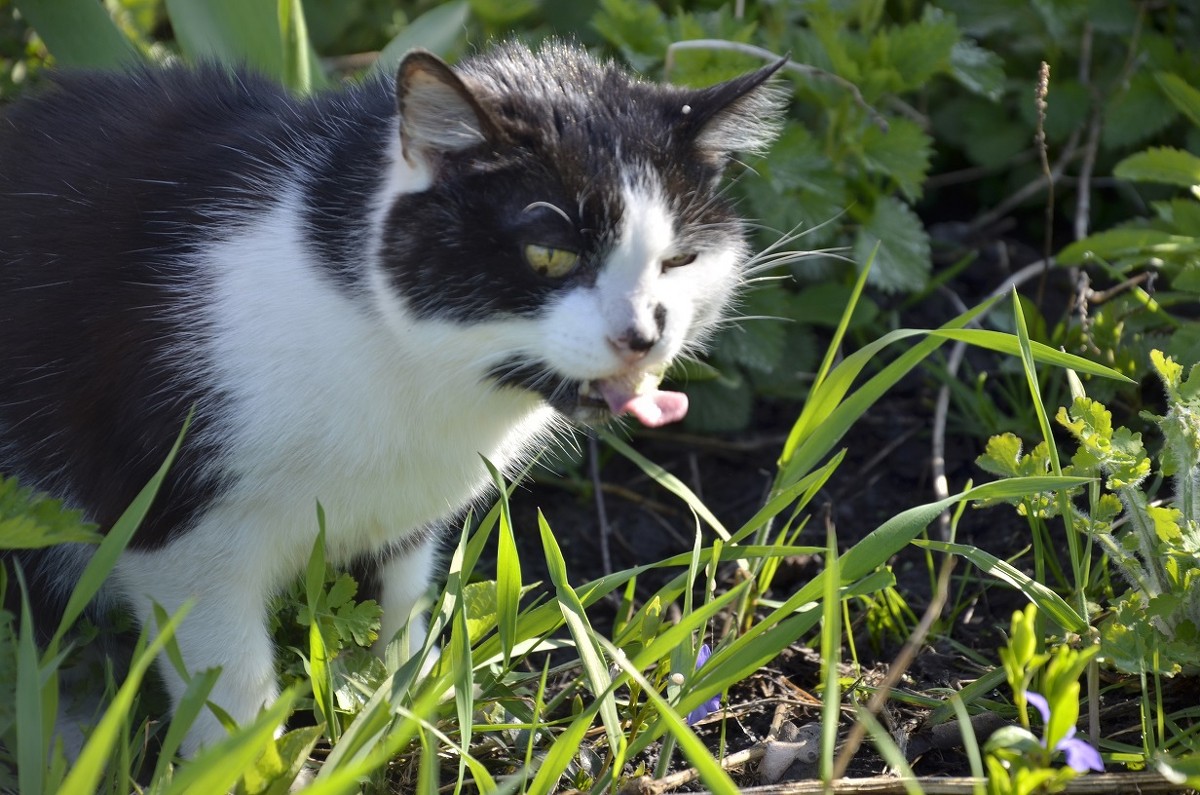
{"x": 1162, "y": 164}
{"x": 79, "y": 33}
{"x": 903, "y": 262}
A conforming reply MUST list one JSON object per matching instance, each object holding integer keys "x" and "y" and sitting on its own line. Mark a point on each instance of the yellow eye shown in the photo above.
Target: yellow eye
{"x": 678, "y": 261}
{"x": 550, "y": 261}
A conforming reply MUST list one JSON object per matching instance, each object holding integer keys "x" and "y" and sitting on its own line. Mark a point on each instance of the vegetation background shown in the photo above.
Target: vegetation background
{"x": 938, "y": 156}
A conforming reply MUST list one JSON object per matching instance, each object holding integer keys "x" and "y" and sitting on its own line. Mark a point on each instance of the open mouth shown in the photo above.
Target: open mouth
{"x": 636, "y": 394}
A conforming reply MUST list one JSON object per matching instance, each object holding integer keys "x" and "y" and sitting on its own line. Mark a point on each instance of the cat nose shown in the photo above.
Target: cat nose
{"x": 633, "y": 344}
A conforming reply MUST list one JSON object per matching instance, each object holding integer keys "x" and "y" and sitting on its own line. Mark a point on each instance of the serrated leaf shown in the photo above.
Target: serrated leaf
{"x": 799, "y": 188}
{"x": 1182, "y": 214}
{"x": 903, "y": 262}
{"x": 1001, "y": 456}
{"x": 341, "y": 591}
{"x": 724, "y": 405}
{"x": 359, "y": 622}
{"x": 1162, "y": 164}
{"x": 1136, "y": 114}
{"x": 479, "y": 604}
{"x": 755, "y": 343}
{"x": 920, "y": 50}
{"x": 902, "y": 153}
{"x": 29, "y": 520}
{"x": 978, "y": 70}
{"x": 1182, "y": 95}
{"x": 1116, "y": 244}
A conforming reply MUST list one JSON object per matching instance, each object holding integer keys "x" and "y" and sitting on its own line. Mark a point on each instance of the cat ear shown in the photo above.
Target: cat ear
{"x": 740, "y": 115}
{"x": 438, "y": 113}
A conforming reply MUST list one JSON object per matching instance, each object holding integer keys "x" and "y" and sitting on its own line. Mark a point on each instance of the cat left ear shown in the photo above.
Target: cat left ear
{"x": 740, "y": 115}
{"x": 438, "y": 113}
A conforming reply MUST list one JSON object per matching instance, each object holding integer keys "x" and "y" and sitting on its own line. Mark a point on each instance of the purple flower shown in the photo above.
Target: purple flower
{"x": 1081, "y": 756}
{"x": 713, "y": 704}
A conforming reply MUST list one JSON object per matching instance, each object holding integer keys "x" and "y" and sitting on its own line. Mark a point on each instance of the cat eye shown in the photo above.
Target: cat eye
{"x": 678, "y": 261}
{"x": 550, "y": 261}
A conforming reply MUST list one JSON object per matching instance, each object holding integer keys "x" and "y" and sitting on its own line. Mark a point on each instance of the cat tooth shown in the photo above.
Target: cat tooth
{"x": 648, "y": 383}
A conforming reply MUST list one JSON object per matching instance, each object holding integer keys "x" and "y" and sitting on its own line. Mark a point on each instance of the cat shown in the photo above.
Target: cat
{"x": 362, "y": 295}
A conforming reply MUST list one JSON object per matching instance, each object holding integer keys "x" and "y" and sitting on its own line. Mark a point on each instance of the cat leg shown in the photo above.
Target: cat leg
{"x": 226, "y": 626}
{"x": 399, "y": 581}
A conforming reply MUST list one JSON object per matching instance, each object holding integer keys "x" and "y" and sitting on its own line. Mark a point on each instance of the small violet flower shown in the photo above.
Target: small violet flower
{"x": 1081, "y": 756}
{"x": 713, "y": 704}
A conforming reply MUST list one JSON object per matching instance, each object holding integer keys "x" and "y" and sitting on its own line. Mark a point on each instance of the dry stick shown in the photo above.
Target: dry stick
{"x": 601, "y": 510}
{"x": 938, "y": 465}
{"x": 657, "y": 786}
{"x": 1040, "y": 94}
{"x": 896, "y": 670}
{"x": 1091, "y": 784}
{"x": 767, "y": 55}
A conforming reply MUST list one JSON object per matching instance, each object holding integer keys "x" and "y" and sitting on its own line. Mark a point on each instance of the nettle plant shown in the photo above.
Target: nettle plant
{"x": 843, "y": 177}
{"x": 1161, "y": 252}
{"x": 1153, "y": 543}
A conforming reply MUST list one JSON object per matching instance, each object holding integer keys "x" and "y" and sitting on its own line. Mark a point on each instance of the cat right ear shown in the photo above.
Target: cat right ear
{"x": 438, "y": 113}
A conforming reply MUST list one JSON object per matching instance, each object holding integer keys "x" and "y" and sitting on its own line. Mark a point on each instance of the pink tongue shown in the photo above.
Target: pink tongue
{"x": 653, "y": 409}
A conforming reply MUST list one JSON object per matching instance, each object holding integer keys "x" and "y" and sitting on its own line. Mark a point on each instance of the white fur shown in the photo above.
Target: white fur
{"x": 380, "y": 416}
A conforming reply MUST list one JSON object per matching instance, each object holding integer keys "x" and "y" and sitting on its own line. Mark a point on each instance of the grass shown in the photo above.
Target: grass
{"x": 528, "y": 695}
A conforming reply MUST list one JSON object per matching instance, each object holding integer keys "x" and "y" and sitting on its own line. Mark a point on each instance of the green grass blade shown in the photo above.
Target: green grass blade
{"x": 1048, "y": 601}
{"x": 439, "y": 30}
{"x": 319, "y": 671}
{"x": 508, "y": 572}
{"x": 710, "y": 770}
{"x": 831, "y": 656}
{"x": 79, "y": 33}
{"x": 185, "y": 714}
{"x": 803, "y": 489}
{"x": 890, "y": 752}
{"x": 666, "y": 480}
{"x": 594, "y": 667}
{"x": 32, "y": 731}
{"x": 218, "y": 767}
{"x": 461, "y": 671}
{"x": 298, "y": 61}
{"x": 839, "y": 333}
{"x": 85, "y": 775}
{"x": 248, "y": 34}
{"x": 1002, "y": 342}
{"x": 115, "y": 541}
{"x": 816, "y": 432}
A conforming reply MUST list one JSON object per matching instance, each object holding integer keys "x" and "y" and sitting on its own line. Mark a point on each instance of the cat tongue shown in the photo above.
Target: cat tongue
{"x": 653, "y": 407}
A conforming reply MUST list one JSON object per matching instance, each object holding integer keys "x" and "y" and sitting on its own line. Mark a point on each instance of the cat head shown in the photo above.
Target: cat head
{"x": 578, "y": 211}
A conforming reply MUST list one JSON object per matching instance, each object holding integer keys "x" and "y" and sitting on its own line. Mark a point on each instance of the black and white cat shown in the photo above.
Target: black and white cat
{"x": 361, "y": 294}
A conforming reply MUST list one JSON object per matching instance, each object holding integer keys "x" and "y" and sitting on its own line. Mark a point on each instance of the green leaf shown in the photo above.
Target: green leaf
{"x": 920, "y": 50}
{"x": 901, "y": 153}
{"x": 1184, "y": 96}
{"x": 1161, "y": 164}
{"x": 1116, "y": 244}
{"x": 756, "y": 343}
{"x": 500, "y": 13}
{"x": 79, "y": 33}
{"x": 29, "y": 520}
{"x": 243, "y": 33}
{"x": 1002, "y": 456}
{"x": 978, "y": 70}
{"x": 903, "y": 262}
{"x": 114, "y": 543}
{"x": 438, "y": 30}
{"x": 1048, "y": 601}
{"x": 1137, "y": 113}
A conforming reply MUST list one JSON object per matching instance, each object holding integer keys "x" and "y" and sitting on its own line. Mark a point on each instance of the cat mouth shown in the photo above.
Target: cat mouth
{"x": 636, "y": 394}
